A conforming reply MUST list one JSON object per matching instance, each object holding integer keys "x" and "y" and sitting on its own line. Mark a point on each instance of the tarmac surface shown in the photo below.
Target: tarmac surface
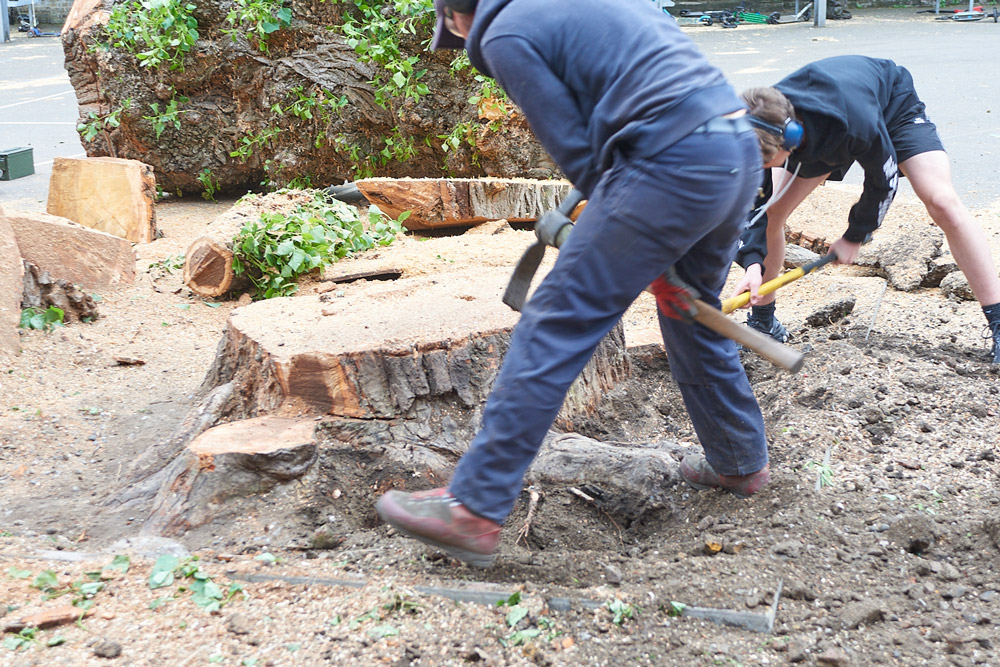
{"x": 951, "y": 62}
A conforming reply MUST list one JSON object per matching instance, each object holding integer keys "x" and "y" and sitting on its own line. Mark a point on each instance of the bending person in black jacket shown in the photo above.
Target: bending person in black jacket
{"x": 864, "y": 110}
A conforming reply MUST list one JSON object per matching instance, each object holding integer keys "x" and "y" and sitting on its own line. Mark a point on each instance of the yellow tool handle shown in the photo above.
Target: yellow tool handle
{"x": 780, "y": 355}
{"x": 742, "y": 299}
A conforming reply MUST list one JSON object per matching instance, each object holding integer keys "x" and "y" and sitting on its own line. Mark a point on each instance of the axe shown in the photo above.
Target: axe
{"x": 742, "y": 299}
{"x": 553, "y": 228}
{"x": 550, "y": 230}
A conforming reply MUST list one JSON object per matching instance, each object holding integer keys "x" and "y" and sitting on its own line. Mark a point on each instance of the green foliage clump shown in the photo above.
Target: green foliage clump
{"x": 171, "y": 114}
{"x": 42, "y": 320}
{"x": 189, "y": 576}
{"x": 374, "y": 36}
{"x": 278, "y": 248}
{"x": 97, "y": 123}
{"x": 258, "y": 19}
{"x": 156, "y": 31}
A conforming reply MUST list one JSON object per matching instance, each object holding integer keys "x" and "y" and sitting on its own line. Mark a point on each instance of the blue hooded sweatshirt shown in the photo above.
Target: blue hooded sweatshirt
{"x": 593, "y": 76}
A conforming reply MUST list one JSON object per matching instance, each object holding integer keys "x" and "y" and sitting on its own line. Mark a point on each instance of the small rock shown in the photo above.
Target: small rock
{"x": 836, "y": 657}
{"x": 796, "y": 590}
{"x": 107, "y": 649}
{"x": 788, "y": 549}
{"x": 988, "y": 596}
{"x": 914, "y": 532}
{"x": 239, "y": 624}
{"x": 954, "y": 592}
{"x": 797, "y": 652}
{"x": 949, "y": 572}
{"x": 612, "y": 574}
{"x": 861, "y": 613}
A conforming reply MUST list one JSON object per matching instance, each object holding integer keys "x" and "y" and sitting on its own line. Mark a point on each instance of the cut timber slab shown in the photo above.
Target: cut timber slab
{"x": 448, "y": 202}
{"x": 108, "y": 194}
{"x": 72, "y": 252}
{"x": 47, "y": 618}
{"x": 230, "y": 461}
{"x": 386, "y": 350}
{"x": 208, "y": 262}
{"x": 11, "y": 287}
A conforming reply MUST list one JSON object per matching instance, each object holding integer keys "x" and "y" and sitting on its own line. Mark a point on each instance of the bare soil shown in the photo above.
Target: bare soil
{"x": 881, "y": 526}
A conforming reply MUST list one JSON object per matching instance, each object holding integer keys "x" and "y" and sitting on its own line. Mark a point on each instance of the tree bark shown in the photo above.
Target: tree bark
{"x": 439, "y": 202}
{"x": 42, "y": 291}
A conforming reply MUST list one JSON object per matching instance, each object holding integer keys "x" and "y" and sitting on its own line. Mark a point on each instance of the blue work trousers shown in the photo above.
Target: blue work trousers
{"x": 684, "y": 206}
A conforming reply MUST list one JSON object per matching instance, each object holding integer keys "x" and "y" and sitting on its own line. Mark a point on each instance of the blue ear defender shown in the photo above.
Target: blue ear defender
{"x": 791, "y": 133}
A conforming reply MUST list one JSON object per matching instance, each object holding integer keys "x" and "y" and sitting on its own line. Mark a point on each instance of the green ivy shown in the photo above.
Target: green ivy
{"x": 259, "y": 19}
{"x": 156, "y": 31}
{"x": 277, "y": 249}
{"x": 171, "y": 114}
{"x": 252, "y": 141}
{"x": 42, "y": 320}
{"x": 101, "y": 123}
{"x": 374, "y": 36}
{"x": 210, "y": 184}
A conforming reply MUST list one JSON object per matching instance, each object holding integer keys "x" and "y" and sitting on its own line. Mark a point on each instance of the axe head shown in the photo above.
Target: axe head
{"x": 520, "y": 282}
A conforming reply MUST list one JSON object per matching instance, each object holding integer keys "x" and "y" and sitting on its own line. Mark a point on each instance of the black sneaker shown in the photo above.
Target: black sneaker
{"x": 992, "y": 330}
{"x": 772, "y": 328}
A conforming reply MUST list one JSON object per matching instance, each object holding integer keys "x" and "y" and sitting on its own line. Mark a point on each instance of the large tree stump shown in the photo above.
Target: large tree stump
{"x": 230, "y": 461}
{"x": 446, "y": 202}
{"x": 395, "y": 374}
{"x": 384, "y": 350}
{"x": 208, "y": 262}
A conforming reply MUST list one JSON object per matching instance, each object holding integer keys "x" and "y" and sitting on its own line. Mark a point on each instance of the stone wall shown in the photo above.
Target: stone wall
{"x": 48, "y": 13}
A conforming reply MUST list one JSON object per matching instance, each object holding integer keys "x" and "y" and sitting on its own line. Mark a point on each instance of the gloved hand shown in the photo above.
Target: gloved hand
{"x": 674, "y": 297}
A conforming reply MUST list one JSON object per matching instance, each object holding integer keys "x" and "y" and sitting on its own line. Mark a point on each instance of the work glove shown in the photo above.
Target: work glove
{"x": 674, "y": 297}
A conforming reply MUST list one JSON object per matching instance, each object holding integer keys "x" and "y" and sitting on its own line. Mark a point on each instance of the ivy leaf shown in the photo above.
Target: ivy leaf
{"x": 45, "y": 581}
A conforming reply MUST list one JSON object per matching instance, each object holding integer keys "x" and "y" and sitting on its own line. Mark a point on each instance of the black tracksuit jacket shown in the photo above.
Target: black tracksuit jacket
{"x": 847, "y": 105}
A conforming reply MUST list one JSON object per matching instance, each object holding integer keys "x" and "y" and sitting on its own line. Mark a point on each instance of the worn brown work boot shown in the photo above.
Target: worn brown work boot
{"x": 697, "y": 472}
{"x": 437, "y": 518}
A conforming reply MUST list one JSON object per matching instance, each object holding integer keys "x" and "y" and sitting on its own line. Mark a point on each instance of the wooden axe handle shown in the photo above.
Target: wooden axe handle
{"x": 780, "y": 355}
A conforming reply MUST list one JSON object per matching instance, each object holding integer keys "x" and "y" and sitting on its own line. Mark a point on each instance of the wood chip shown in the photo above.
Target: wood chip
{"x": 129, "y": 361}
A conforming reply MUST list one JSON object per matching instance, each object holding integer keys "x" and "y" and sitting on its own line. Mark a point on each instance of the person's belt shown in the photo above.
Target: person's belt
{"x": 723, "y": 125}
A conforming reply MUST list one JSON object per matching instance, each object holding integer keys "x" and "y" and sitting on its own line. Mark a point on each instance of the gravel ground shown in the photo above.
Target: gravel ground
{"x": 879, "y": 535}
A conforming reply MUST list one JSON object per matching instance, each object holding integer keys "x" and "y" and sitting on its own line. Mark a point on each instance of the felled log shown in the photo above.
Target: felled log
{"x": 447, "y": 202}
{"x": 208, "y": 261}
{"x": 233, "y": 460}
{"x": 69, "y": 251}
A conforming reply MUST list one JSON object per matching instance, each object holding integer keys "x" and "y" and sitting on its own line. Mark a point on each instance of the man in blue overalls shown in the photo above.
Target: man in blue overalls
{"x": 646, "y": 129}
